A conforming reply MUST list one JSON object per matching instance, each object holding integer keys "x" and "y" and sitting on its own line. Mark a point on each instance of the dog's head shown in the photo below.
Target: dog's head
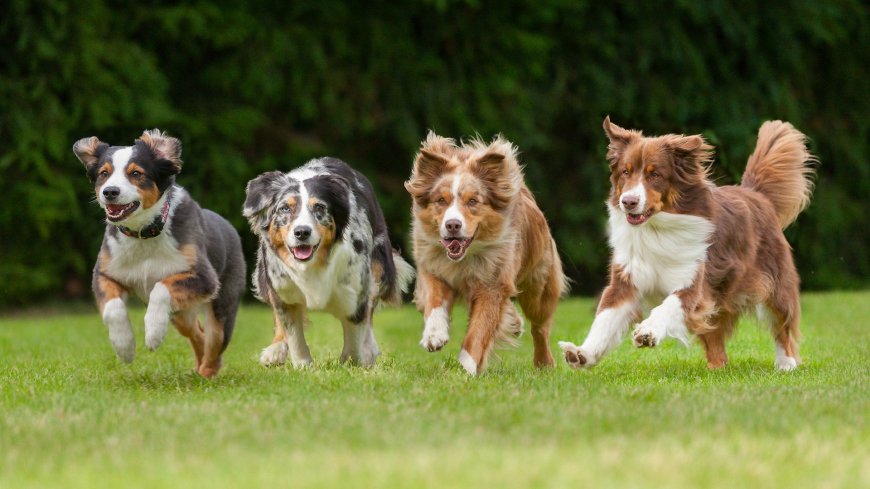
{"x": 300, "y": 219}
{"x": 654, "y": 174}
{"x": 463, "y": 194}
{"x": 129, "y": 180}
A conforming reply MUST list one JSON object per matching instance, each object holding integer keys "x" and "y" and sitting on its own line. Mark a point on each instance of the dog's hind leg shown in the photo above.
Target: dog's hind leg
{"x": 360, "y": 347}
{"x": 782, "y": 314}
{"x": 539, "y": 307}
{"x": 213, "y": 345}
{"x": 714, "y": 339}
{"x": 188, "y": 325}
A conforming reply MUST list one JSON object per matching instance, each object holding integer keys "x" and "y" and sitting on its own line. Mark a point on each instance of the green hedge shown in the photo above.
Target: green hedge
{"x": 254, "y": 87}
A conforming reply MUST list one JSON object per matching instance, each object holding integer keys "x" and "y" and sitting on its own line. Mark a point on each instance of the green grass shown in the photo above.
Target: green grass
{"x": 72, "y": 416}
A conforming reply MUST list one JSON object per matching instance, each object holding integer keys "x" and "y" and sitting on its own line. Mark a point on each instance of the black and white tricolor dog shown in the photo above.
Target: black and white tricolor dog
{"x": 162, "y": 247}
{"x": 323, "y": 246}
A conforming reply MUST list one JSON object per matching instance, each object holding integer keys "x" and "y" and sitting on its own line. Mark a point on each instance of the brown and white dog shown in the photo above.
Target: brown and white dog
{"x": 704, "y": 254}
{"x": 479, "y": 234}
{"x": 160, "y": 246}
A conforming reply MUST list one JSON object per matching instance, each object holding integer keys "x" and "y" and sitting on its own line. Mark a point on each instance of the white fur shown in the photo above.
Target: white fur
{"x": 274, "y": 354}
{"x": 157, "y": 316}
{"x": 304, "y": 218}
{"x": 668, "y": 319}
{"x": 141, "y": 263}
{"x": 360, "y": 346}
{"x": 453, "y": 211}
{"x": 637, "y": 191}
{"x": 118, "y": 178}
{"x": 662, "y": 255}
{"x": 120, "y": 330}
{"x": 467, "y": 362}
{"x": 608, "y": 329}
{"x": 436, "y": 332}
{"x": 783, "y": 362}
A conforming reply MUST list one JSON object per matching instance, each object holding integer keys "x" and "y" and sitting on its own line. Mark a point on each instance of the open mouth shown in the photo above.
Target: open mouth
{"x": 638, "y": 219}
{"x": 303, "y": 252}
{"x": 456, "y": 247}
{"x": 118, "y": 212}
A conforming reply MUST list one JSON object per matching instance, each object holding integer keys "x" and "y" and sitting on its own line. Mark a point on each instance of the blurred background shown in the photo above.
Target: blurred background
{"x": 256, "y": 86}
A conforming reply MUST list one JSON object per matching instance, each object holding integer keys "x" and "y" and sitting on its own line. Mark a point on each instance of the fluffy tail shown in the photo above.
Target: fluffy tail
{"x": 781, "y": 169}
{"x": 404, "y": 276}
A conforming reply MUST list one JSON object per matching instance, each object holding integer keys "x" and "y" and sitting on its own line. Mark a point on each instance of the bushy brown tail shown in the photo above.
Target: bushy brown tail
{"x": 781, "y": 168}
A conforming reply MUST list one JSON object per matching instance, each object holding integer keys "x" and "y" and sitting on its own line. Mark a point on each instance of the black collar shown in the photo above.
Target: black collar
{"x": 155, "y": 228}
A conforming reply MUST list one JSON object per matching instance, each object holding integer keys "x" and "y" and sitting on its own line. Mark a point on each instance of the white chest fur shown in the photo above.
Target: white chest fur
{"x": 662, "y": 255}
{"x": 138, "y": 264}
{"x": 333, "y": 287}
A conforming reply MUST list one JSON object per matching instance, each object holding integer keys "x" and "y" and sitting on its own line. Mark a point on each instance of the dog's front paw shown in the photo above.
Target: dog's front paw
{"x": 575, "y": 356}
{"x": 157, "y": 317}
{"x": 274, "y": 354}
{"x": 434, "y": 340}
{"x": 648, "y": 334}
{"x": 120, "y": 330}
{"x": 436, "y": 333}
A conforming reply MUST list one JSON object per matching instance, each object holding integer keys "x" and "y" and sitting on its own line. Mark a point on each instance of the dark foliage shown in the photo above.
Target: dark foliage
{"x": 250, "y": 87}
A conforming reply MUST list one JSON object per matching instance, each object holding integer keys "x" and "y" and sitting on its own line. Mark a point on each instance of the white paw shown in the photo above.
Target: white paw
{"x": 274, "y": 354}
{"x": 364, "y": 358}
{"x": 467, "y": 362}
{"x": 575, "y": 356}
{"x": 157, "y": 316}
{"x": 120, "y": 330}
{"x": 436, "y": 333}
{"x": 648, "y": 334}
{"x": 783, "y": 362}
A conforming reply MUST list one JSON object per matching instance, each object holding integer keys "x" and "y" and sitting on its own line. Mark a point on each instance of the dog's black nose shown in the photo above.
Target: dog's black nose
{"x": 302, "y": 232}
{"x": 453, "y": 226}
{"x": 111, "y": 193}
{"x": 630, "y": 202}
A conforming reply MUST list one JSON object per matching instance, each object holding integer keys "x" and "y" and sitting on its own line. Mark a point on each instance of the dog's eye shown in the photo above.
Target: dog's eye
{"x": 135, "y": 173}
{"x": 284, "y": 209}
{"x": 472, "y": 201}
{"x": 104, "y": 173}
{"x": 654, "y": 174}
{"x": 625, "y": 172}
{"x": 442, "y": 201}
{"x": 319, "y": 208}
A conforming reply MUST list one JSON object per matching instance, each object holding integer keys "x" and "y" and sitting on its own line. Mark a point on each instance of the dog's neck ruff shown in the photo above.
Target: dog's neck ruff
{"x": 155, "y": 228}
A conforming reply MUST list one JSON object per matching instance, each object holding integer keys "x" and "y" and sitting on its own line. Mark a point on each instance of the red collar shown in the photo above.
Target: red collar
{"x": 155, "y": 228}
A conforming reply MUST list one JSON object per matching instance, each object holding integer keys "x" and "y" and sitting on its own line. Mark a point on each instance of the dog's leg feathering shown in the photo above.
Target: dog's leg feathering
{"x": 120, "y": 330}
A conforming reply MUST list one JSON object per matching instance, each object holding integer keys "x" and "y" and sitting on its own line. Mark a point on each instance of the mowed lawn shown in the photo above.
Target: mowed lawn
{"x": 71, "y": 415}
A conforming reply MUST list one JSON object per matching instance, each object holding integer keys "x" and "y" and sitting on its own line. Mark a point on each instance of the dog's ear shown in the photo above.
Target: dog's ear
{"x": 692, "y": 156}
{"x": 619, "y": 139}
{"x": 499, "y": 169}
{"x": 164, "y": 147}
{"x": 429, "y": 163}
{"x": 261, "y": 194}
{"x": 88, "y": 151}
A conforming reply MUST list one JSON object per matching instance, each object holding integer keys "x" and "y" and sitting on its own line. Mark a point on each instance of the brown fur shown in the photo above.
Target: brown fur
{"x": 512, "y": 255}
{"x": 749, "y": 261}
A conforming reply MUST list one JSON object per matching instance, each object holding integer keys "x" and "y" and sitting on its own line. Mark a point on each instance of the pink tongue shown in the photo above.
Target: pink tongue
{"x": 116, "y": 209}
{"x": 302, "y": 252}
{"x": 453, "y": 245}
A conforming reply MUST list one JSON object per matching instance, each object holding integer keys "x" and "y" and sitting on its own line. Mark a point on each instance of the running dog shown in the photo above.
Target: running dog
{"x": 704, "y": 254}
{"x": 323, "y": 246}
{"x": 160, "y": 246}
